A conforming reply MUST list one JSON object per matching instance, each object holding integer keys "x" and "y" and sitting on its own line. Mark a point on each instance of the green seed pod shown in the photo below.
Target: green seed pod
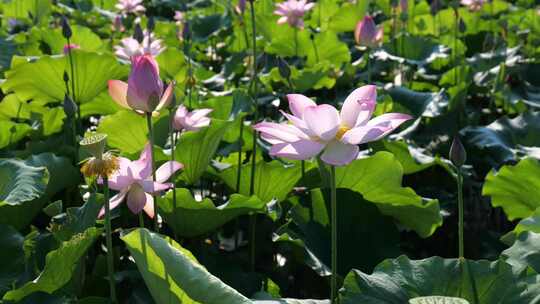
{"x": 95, "y": 144}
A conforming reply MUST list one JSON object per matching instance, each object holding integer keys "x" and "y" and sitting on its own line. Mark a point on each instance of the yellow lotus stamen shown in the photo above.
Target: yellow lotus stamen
{"x": 104, "y": 167}
{"x": 342, "y": 130}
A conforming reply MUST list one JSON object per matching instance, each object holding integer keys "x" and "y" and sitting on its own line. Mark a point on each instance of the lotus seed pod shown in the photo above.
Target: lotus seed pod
{"x": 94, "y": 144}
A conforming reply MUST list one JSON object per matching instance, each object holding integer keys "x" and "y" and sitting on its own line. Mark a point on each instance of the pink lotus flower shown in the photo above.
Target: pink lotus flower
{"x": 179, "y": 17}
{"x": 367, "y": 34}
{"x": 320, "y": 129}
{"x": 404, "y": 5}
{"x": 69, "y": 47}
{"x": 240, "y": 8}
{"x": 130, "y": 6}
{"x": 144, "y": 90}
{"x": 134, "y": 180}
{"x": 292, "y": 12}
{"x": 473, "y": 5}
{"x": 130, "y": 47}
{"x": 191, "y": 121}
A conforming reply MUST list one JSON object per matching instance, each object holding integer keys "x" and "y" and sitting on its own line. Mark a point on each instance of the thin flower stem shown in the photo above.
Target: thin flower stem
{"x": 141, "y": 219}
{"x": 460, "y": 212}
{"x": 173, "y": 146}
{"x": 333, "y": 199}
{"x": 151, "y": 140}
{"x": 238, "y": 177}
{"x": 253, "y": 85}
{"x": 296, "y": 41}
{"x": 108, "y": 236}
{"x": 368, "y": 65}
{"x": 73, "y": 97}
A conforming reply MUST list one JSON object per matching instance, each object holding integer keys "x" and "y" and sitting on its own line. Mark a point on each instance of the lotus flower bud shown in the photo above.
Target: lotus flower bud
{"x": 145, "y": 88}
{"x": 284, "y": 69}
{"x": 66, "y": 29}
{"x": 66, "y": 77}
{"x": 151, "y": 24}
{"x": 367, "y": 34}
{"x": 70, "y": 108}
{"x": 138, "y": 33}
{"x": 118, "y": 25}
{"x": 458, "y": 155}
{"x": 186, "y": 31}
{"x": 404, "y": 5}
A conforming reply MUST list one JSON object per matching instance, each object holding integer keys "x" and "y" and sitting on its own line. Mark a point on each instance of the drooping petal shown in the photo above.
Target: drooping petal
{"x": 149, "y": 206}
{"x": 136, "y": 198}
{"x": 200, "y": 113}
{"x": 300, "y": 150}
{"x": 113, "y": 202}
{"x": 166, "y": 99}
{"x": 298, "y": 103}
{"x": 164, "y": 172}
{"x": 339, "y": 154}
{"x": 201, "y": 123}
{"x": 118, "y": 91}
{"x": 358, "y": 106}
{"x": 322, "y": 120}
{"x": 375, "y": 129}
{"x": 280, "y": 132}
{"x": 153, "y": 187}
{"x": 121, "y": 179}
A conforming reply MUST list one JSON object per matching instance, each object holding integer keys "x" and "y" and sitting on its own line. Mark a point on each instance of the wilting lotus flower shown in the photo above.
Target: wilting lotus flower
{"x": 292, "y": 12}
{"x": 320, "y": 128}
{"x": 144, "y": 90}
{"x": 130, "y": 6}
{"x": 473, "y": 5}
{"x": 190, "y": 121}
{"x": 131, "y": 47}
{"x": 134, "y": 180}
{"x": 367, "y": 34}
{"x": 69, "y": 47}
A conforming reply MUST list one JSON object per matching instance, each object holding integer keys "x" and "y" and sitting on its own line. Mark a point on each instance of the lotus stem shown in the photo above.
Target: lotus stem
{"x": 73, "y": 97}
{"x": 333, "y": 199}
{"x": 151, "y": 140}
{"x": 173, "y": 146}
{"x": 460, "y": 212}
{"x": 368, "y": 65}
{"x": 108, "y": 236}
{"x": 253, "y": 85}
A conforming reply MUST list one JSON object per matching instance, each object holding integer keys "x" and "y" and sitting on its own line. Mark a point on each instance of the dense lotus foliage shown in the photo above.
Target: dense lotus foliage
{"x": 270, "y": 151}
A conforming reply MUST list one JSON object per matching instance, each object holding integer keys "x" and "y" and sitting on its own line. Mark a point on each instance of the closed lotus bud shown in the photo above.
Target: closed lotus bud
{"x": 118, "y": 25}
{"x": 458, "y": 155}
{"x": 70, "y": 108}
{"x": 138, "y": 33}
{"x": 151, "y": 24}
{"x": 284, "y": 69}
{"x": 66, "y": 29}
{"x": 367, "y": 34}
{"x": 144, "y": 85}
{"x": 186, "y": 31}
{"x": 435, "y": 7}
{"x": 66, "y": 77}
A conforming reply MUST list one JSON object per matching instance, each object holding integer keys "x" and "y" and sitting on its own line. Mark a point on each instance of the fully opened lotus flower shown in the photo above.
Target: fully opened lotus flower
{"x": 191, "y": 121}
{"x": 134, "y": 182}
{"x": 473, "y": 5}
{"x": 130, "y": 6}
{"x": 144, "y": 90}
{"x": 292, "y": 12}
{"x": 367, "y": 33}
{"x": 130, "y": 47}
{"x": 321, "y": 130}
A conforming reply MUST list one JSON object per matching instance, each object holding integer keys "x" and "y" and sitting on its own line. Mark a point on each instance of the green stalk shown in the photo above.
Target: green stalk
{"x": 238, "y": 176}
{"x": 72, "y": 69}
{"x": 253, "y": 85}
{"x": 141, "y": 220}
{"x": 151, "y": 140}
{"x": 460, "y": 212}
{"x": 110, "y": 257}
{"x": 296, "y": 41}
{"x": 333, "y": 199}
{"x": 368, "y": 66}
{"x": 173, "y": 146}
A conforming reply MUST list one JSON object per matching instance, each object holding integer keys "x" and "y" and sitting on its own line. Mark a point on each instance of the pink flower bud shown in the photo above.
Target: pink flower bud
{"x": 145, "y": 88}
{"x": 241, "y": 7}
{"x": 367, "y": 34}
